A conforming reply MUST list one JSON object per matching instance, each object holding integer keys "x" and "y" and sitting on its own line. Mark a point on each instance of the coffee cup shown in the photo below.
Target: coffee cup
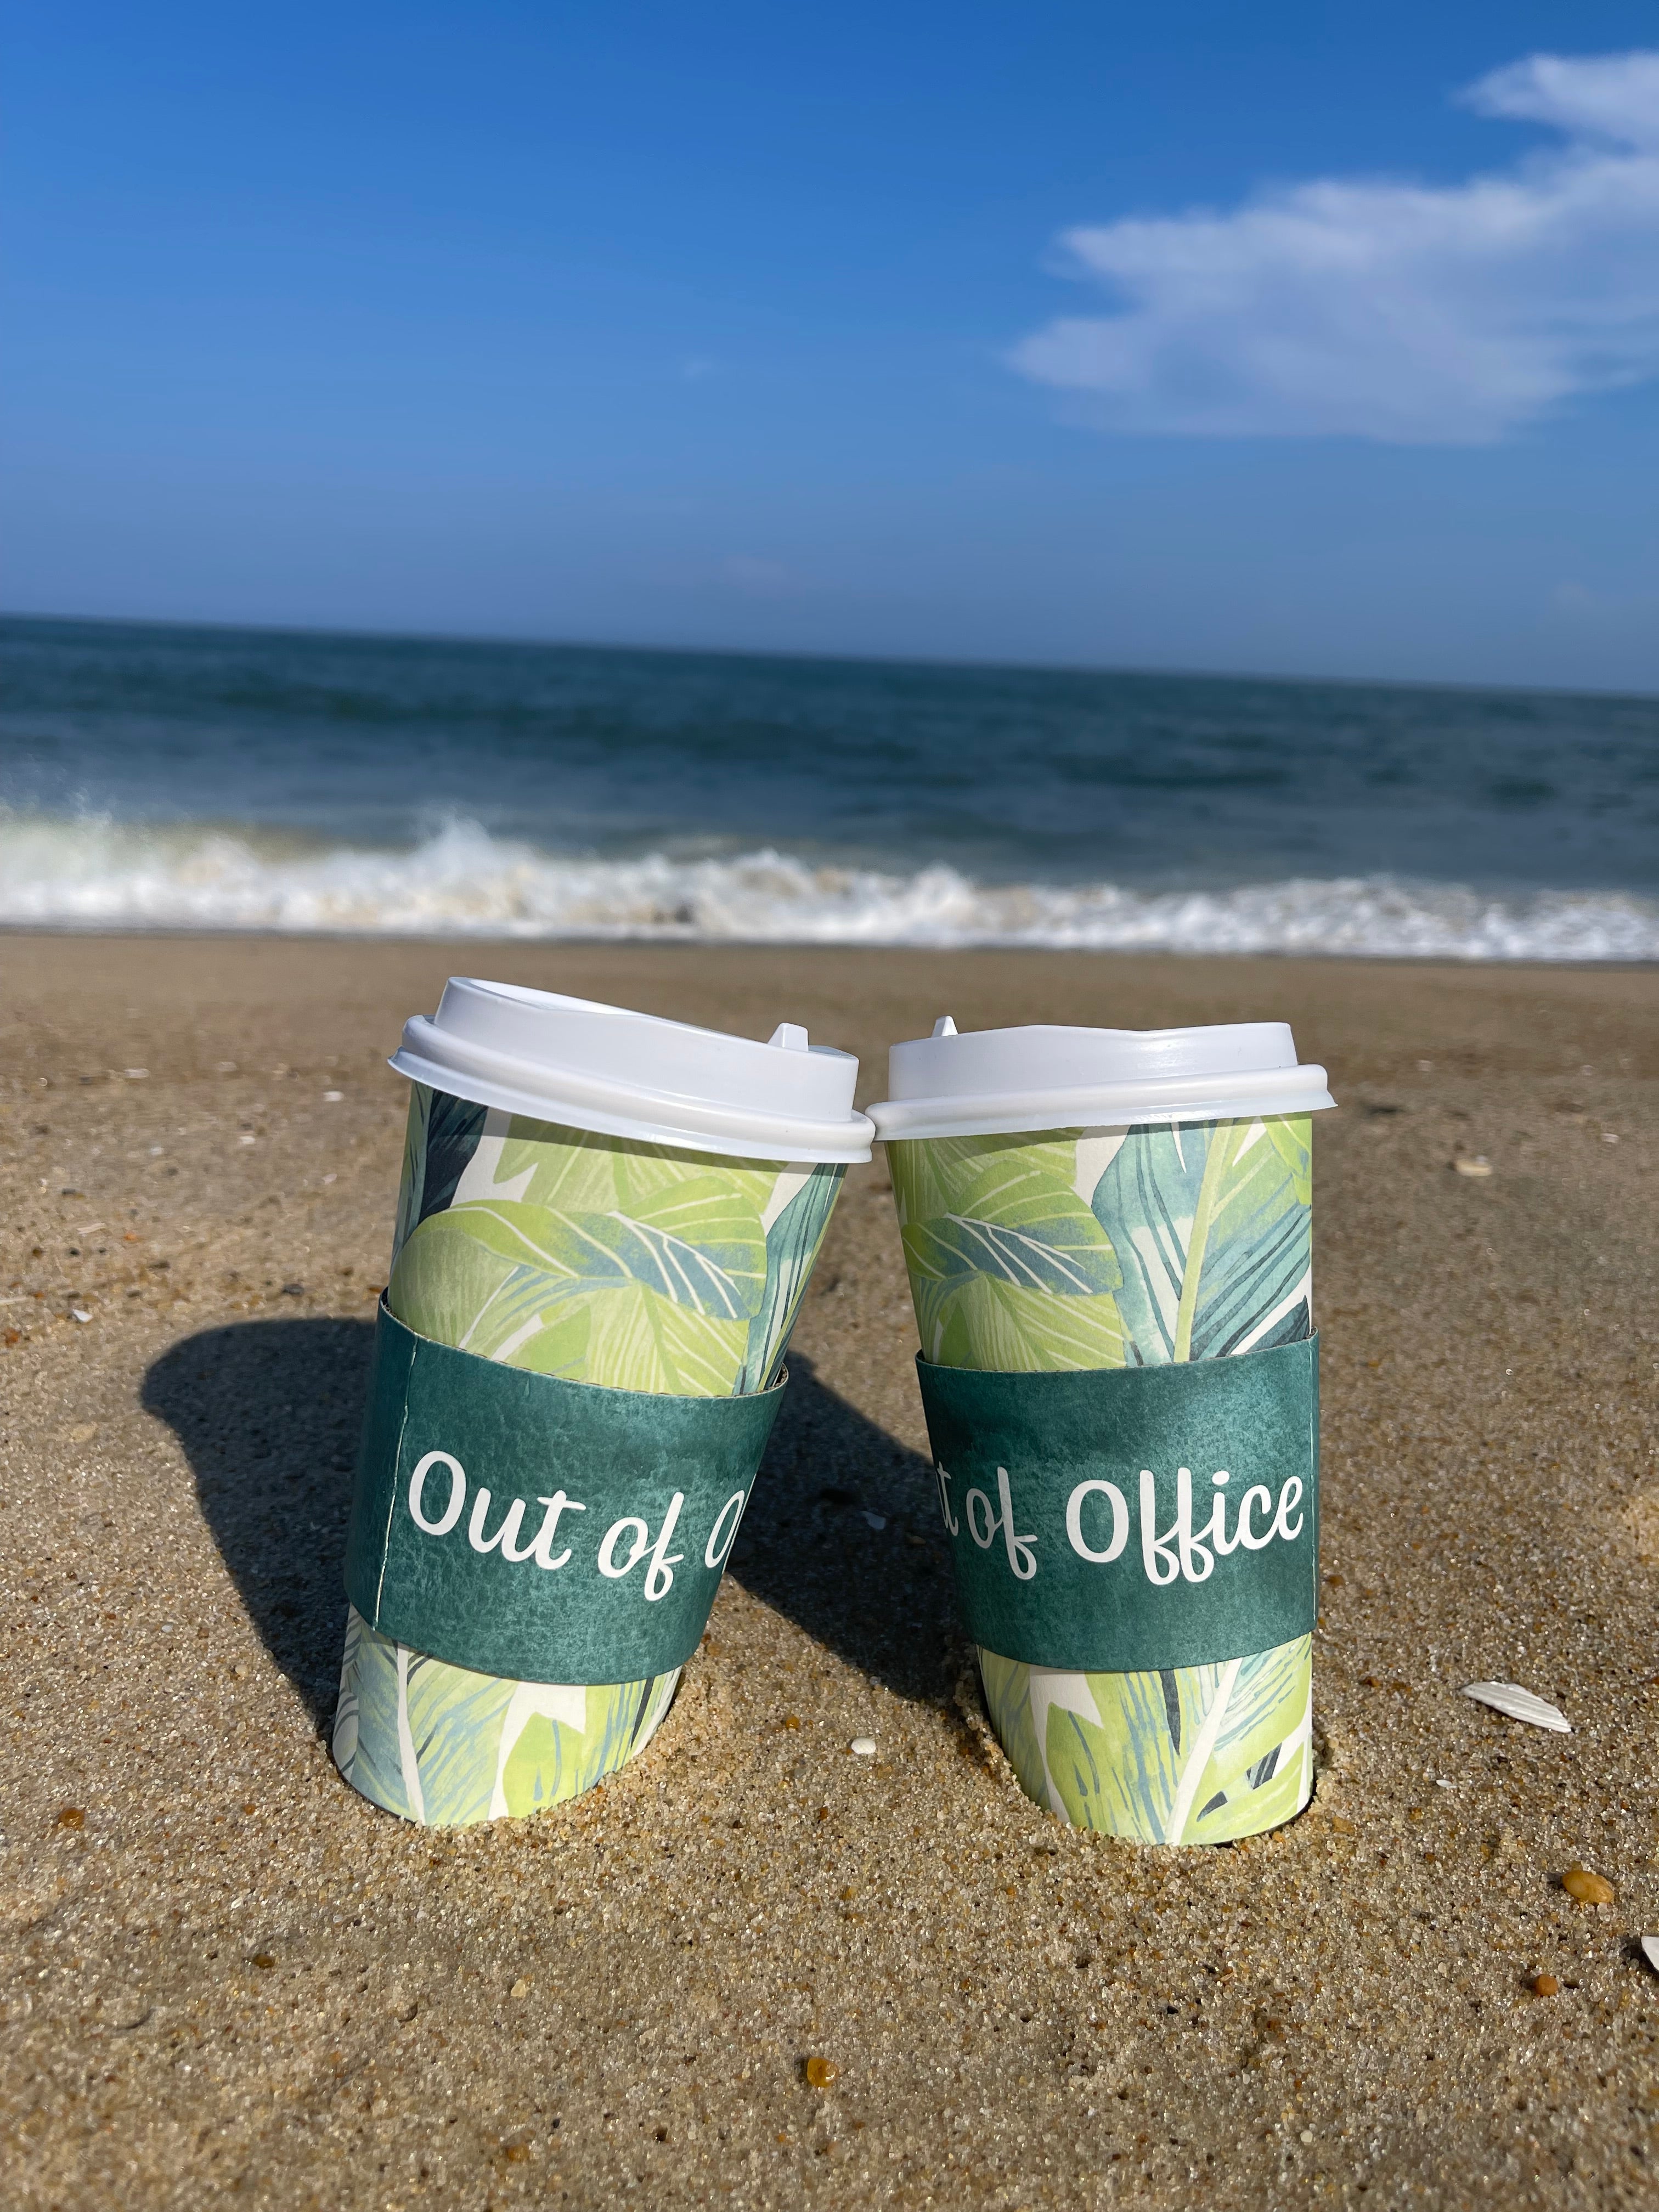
{"x": 1108, "y": 1235}
{"x": 603, "y": 1198}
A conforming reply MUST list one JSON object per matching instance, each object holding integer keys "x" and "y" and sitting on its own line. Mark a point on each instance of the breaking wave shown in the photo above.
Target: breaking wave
{"x": 92, "y": 873}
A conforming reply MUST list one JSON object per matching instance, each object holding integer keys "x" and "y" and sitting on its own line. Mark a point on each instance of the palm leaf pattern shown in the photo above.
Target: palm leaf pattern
{"x": 412, "y": 1183}
{"x": 796, "y": 1217}
{"x": 1201, "y": 1247}
{"x": 1180, "y": 1755}
{"x": 1215, "y": 1223}
{"x": 443, "y": 1134}
{"x": 570, "y": 1254}
{"x": 1008, "y": 1267}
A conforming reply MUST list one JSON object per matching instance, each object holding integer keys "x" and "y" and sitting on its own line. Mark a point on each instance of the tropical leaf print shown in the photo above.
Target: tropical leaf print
{"x": 1214, "y": 1223}
{"x": 1019, "y": 1226}
{"x": 640, "y": 1340}
{"x": 412, "y": 1183}
{"x": 1109, "y": 1751}
{"x": 581, "y": 1170}
{"x": 602, "y": 1262}
{"x": 705, "y": 1240}
{"x": 563, "y": 1748}
{"x": 455, "y": 1717}
{"x": 455, "y": 1129}
{"x": 669, "y": 1292}
{"x": 1016, "y": 1275}
{"x": 793, "y": 1235}
{"x": 1000, "y": 1328}
{"x": 1255, "y": 1268}
{"x": 545, "y": 1165}
{"x": 561, "y": 1344}
{"x": 457, "y": 1746}
{"x": 643, "y": 1172}
{"x": 443, "y": 1135}
{"x": 1149, "y": 1194}
{"x": 934, "y": 1175}
{"x": 1191, "y": 1754}
{"x": 1198, "y": 1246}
{"x": 1007, "y": 1686}
{"x": 446, "y": 1280}
{"x": 1248, "y": 1750}
{"x": 368, "y": 1719}
{"x": 698, "y": 1244}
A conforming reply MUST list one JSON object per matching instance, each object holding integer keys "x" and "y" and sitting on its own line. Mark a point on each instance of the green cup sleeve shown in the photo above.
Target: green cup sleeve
{"x": 524, "y": 1526}
{"x": 1117, "y": 1519}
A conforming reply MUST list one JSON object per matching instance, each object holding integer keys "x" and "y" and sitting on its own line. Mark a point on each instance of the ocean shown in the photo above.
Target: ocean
{"x": 174, "y": 778}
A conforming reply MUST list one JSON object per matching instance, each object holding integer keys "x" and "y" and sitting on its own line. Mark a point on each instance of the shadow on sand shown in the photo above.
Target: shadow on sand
{"x": 879, "y": 1597}
{"x": 269, "y": 1413}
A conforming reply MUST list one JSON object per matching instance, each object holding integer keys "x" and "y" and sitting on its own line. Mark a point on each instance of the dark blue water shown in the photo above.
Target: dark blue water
{"x": 282, "y": 780}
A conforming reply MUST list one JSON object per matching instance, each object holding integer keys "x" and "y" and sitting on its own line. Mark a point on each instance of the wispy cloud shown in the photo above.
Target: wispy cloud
{"x": 1415, "y": 315}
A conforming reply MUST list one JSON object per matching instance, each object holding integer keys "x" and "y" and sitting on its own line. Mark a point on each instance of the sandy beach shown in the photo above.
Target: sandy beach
{"x": 223, "y": 1972}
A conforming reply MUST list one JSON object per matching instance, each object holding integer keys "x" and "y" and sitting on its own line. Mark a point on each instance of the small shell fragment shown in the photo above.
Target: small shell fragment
{"x": 1587, "y": 1889}
{"x": 1519, "y": 1704}
{"x": 1651, "y": 1951}
{"x": 863, "y": 1747}
{"x": 1478, "y": 1165}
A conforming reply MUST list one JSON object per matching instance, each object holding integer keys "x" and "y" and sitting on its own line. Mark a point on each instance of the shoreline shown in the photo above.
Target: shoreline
{"x": 219, "y": 934}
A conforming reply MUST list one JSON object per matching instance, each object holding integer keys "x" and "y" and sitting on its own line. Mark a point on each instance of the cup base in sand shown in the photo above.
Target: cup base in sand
{"x": 1175, "y": 1755}
{"x": 446, "y": 1747}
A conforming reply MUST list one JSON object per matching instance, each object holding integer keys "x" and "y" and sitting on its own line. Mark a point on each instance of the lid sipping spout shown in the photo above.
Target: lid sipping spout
{"x": 790, "y": 1036}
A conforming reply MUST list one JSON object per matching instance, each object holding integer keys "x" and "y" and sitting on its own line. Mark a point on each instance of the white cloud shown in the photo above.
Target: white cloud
{"x": 1415, "y": 315}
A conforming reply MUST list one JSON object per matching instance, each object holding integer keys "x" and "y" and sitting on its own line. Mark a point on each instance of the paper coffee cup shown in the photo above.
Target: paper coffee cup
{"x": 610, "y": 1199}
{"x": 1075, "y": 1200}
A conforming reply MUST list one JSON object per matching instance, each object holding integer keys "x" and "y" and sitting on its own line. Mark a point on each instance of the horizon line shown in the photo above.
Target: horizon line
{"x": 987, "y": 664}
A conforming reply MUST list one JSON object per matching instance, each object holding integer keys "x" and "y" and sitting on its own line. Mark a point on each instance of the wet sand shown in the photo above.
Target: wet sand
{"x": 222, "y": 1972}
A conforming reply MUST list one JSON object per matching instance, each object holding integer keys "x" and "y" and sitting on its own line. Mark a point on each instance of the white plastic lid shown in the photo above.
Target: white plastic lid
{"x": 593, "y": 1067}
{"x": 996, "y": 1081}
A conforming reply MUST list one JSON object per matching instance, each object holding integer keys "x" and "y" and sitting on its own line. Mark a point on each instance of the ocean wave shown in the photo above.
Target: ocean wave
{"x": 462, "y": 882}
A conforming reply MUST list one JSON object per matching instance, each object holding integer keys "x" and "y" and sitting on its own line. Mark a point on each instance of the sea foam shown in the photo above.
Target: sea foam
{"x": 94, "y": 873}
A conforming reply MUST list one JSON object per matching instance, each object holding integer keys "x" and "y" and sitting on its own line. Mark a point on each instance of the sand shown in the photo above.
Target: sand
{"x": 223, "y": 1972}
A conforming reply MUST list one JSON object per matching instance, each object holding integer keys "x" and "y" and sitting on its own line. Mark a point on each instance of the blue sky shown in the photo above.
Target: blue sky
{"x": 1197, "y": 336}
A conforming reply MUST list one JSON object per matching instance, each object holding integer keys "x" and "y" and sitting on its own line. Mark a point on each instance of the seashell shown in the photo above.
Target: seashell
{"x": 863, "y": 1747}
{"x": 1480, "y": 1165}
{"x": 1651, "y": 1951}
{"x": 1587, "y": 1889}
{"x": 1519, "y": 1704}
